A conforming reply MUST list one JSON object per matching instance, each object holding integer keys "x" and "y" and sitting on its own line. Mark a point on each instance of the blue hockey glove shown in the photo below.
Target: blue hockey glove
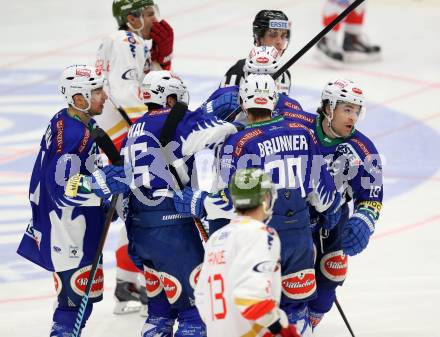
{"x": 222, "y": 106}
{"x": 332, "y": 214}
{"x": 357, "y": 232}
{"x": 110, "y": 180}
{"x": 191, "y": 203}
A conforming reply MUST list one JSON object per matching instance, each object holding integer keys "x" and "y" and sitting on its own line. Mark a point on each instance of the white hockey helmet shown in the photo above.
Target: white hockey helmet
{"x": 258, "y": 91}
{"x": 262, "y": 60}
{"x": 80, "y": 79}
{"x": 158, "y": 85}
{"x": 343, "y": 90}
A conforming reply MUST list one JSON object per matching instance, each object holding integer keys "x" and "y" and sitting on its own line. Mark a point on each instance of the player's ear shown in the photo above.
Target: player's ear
{"x": 171, "y": 101}
{"x": 327, "y": 109}
{"x": 131, "y": 19}
{"x": 79, "y": 101}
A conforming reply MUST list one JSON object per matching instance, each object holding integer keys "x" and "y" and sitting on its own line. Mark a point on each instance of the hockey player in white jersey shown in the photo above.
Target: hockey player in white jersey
{"x": 66, "y": 195}
{"x": 355, "y": 46}
{"x": 239, "y": 287}
{"x": 124, "y": 59}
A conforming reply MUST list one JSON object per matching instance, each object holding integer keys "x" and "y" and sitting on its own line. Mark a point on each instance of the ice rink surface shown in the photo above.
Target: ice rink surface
{"x": 393, "y": 288}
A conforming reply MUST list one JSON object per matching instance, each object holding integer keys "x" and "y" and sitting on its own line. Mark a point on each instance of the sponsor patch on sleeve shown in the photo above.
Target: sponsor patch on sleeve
{"x": 244, "y": 139}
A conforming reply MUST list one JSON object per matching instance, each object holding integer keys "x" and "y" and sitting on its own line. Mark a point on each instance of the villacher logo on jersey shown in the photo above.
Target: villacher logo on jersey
{"x": 153, "y": 284}
{"x": 299, "y": 285}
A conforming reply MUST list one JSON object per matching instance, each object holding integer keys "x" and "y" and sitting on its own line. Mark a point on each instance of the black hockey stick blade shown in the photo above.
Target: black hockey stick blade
{"x": 106, "y": 145}
{"x": 121, "y": 111}
{"x": 124, "y": 115}
{"x": 94, "y": 268}
{"x": 304, "y": 50}
{"x": 168, "y": 130}
{"x": 316, "y": 39}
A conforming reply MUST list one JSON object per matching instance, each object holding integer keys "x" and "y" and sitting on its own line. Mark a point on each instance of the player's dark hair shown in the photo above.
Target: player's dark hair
{"x": 261, "y": 22}
{"x": 153, "y": 106}
{"x": 245, "y": 210}
{"x": 259, "y": 113}
{"x": 321, "y": 109}
{"x": 124, "y": 26}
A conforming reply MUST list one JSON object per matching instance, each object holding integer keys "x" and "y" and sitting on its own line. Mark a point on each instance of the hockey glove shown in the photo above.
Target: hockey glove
{"x": 289, "y": 331}
{"x": 222, "y": 106}
{"x": 282, "y": 328}
{"x": 163, "y": 39}
{"x": 191, "y": 203}
{"x": 332, "y": 214}
{"x": 110, "y": 180}
{"x": 357, "y": 232}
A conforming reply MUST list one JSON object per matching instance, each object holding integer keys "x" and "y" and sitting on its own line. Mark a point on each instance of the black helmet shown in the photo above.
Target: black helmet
{"x": 269, "y": 19}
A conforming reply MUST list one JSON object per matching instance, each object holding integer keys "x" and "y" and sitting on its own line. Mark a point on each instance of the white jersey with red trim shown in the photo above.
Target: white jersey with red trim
{"x": 124, "y": 59}
{"x": 239, "y": 287}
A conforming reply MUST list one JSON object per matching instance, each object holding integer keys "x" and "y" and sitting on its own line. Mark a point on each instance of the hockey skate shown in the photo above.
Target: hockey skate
{"x": 129, "y": 298}
{"x": 144, "y": 301}
{"x": 330, "y": 52}
{"x": 357, "y": 48}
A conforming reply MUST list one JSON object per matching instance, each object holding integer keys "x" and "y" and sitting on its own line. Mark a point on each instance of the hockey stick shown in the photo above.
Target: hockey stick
{"x": 121, "y": 111}
{"x": 105, "y": 144}
{"x": 168, "y": 130}
{"x": 344, "y": 317}
{"x": 324, "y": 234}
{"x": 305, "y": 49}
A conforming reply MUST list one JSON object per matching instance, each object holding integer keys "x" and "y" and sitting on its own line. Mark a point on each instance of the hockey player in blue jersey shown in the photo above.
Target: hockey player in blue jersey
{"x": 356, "y": 166}
{"x": 288, "y": 152}
{"x": 66, "y": 195}
{"x": 166, "y": 243}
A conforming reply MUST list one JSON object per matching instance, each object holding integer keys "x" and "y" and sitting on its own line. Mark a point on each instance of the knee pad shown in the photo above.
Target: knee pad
{"x": 64, "y": 319}
{"x": 300, "y": 285}
{"x": 324, "y": 301}
{"x": 190, "y": 324}
{"x": 333, "y": 266}
{"x": 70, "y": 286}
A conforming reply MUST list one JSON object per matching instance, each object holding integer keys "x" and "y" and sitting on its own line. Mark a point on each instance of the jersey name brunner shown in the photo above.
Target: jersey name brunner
{"x": 282, "y": 143}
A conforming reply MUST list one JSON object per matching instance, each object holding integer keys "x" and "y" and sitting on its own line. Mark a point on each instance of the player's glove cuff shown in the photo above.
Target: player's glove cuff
{"x": 78, "y": 183}
{"x": 190, "y": 202}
